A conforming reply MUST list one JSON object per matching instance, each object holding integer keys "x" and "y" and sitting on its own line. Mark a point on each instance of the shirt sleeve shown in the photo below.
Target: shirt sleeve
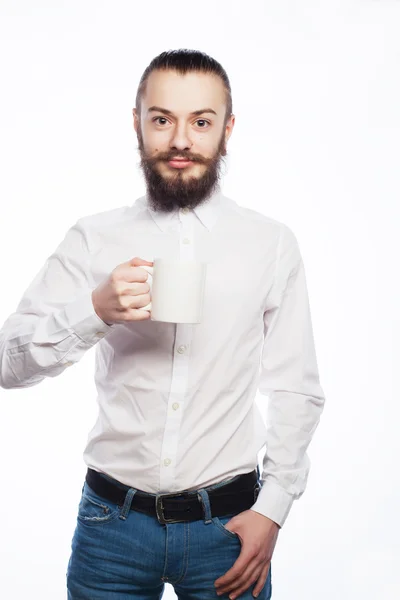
{"x": 289, "y": 377}
{"x": 55, "y": 322}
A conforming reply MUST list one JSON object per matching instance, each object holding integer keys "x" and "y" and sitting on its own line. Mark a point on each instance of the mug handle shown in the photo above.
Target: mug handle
{"x": 150, "y": 271}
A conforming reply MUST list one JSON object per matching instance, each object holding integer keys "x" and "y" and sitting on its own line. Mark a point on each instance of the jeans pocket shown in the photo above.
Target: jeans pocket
{"x": 220, "y": 523}
{"x": 95, "y": 510}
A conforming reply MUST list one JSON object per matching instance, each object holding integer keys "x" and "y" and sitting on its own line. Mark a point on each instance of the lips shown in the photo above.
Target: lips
{"x": 180, "y": 163}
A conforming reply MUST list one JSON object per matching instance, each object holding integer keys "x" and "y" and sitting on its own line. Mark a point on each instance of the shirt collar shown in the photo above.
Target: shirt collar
{"x": 208, "y": 211}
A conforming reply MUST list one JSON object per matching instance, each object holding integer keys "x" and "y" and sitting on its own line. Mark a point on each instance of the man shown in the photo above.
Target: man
{"x": 173, "y": 492}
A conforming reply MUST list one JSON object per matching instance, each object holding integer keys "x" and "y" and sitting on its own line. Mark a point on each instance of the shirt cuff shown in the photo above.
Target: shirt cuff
{"x": 273, "y": 502}
{"x": 81, "y": 317}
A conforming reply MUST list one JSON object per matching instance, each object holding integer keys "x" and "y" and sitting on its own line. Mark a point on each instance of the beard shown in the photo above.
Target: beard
{"x": 177, "y": 190}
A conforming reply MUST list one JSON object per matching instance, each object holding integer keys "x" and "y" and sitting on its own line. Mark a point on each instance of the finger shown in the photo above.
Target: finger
{"x": 244, "y": 580}
{"x": 141, "y": 315}
{"x": 128, "y": 274}
{"x": 237, "y": 569}
{"x": 139, "y": 261}
{"x": 262, "y": 579}
{"x": 133, "y": 314}
{"x": 132, "y": 289}
{"x": 126, "y": 301}
{"x": 138, "y": 301}
{"x": 135, "y": 274}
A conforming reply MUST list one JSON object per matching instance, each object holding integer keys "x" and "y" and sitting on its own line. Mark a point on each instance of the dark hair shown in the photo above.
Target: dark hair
{"x": 184, "y": 60}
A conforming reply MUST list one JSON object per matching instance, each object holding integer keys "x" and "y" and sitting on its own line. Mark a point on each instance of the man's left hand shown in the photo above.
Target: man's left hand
{"x": 258, "y": 535}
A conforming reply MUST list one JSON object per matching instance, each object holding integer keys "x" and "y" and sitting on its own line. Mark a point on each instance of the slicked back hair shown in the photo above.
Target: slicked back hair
{"x": 184, "y": 61}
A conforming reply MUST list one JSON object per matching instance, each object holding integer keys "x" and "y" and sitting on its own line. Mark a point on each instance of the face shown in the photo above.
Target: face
{"x": 182, "y": 117}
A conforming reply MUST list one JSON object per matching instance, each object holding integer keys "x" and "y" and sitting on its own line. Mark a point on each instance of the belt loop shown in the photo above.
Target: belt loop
{"x": 205, "y": 501}
{"x": 127, "y": 503}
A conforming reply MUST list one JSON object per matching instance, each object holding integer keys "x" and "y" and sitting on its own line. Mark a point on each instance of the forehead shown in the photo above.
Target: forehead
{"x": 184, "y": 93}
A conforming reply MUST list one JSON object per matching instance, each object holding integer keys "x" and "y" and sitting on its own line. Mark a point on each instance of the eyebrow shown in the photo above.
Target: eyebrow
{"x": 169, "y": 112}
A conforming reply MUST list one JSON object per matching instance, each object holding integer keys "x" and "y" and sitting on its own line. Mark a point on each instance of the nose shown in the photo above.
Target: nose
{"x": 180, "y": 139}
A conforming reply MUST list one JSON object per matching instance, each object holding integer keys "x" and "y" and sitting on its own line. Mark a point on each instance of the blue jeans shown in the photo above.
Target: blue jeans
{"x": 119, "y": 554}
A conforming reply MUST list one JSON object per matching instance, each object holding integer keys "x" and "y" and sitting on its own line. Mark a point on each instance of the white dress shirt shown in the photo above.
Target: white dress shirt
{"x": 176, "y": 401}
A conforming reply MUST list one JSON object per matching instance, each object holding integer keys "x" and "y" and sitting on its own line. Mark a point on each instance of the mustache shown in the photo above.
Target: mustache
{"x": 171, "y": 156}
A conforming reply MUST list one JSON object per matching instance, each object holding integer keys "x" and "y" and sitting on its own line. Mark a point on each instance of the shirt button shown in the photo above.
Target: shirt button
{"x": 69, "y": 363}
{"x": 167, "y": 461}
{"x": 175, "y": 405}
{"x": 186, "y": 241}
{"x": 100, "y": 334}
{"x": 181, "y": 349}
{"x": 185, "y": 210}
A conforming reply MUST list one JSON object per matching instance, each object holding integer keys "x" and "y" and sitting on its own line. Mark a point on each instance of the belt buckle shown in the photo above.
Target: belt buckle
{"x": 160, "y": 509}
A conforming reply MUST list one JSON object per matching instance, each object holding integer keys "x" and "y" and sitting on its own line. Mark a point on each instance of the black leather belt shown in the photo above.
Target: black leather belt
{"x": 234, "y": 496}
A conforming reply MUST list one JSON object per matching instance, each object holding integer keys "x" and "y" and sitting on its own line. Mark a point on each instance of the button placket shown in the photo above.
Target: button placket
{"x": 176, "y": 400}
{"x": 186, "y": 236}
{"x": 180, "y": 370}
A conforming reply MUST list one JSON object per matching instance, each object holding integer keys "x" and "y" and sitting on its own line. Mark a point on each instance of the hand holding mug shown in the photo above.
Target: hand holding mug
{"x": 121, "y": 296}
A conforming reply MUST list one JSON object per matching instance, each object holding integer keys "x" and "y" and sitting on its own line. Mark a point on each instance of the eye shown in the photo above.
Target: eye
{"x": 203, "y": 121}
{"x": 156, "y": 119}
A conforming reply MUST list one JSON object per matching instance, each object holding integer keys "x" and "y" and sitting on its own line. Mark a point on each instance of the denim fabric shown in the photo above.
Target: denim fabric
{"x": 118, "y": 553}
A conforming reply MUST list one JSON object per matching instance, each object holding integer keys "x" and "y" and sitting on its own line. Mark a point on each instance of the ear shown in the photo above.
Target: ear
{"x": 135, "y": 119}
{"x": 229, "y": 127}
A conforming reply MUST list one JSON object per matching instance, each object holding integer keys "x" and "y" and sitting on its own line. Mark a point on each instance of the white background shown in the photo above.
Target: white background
{"x": 316, "y": 145}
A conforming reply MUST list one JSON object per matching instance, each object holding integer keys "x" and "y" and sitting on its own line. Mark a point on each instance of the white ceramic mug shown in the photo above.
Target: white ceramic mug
{"x": 177, "y": 290}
